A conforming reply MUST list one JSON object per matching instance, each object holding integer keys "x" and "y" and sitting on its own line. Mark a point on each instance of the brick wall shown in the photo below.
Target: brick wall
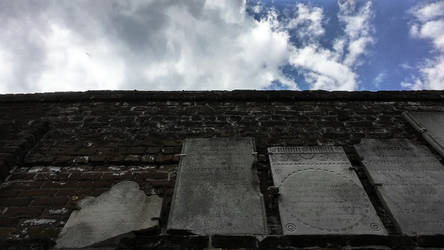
{"x": 57, "y": 148}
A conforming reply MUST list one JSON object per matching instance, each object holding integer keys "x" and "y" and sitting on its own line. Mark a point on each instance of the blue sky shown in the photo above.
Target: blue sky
{"x": 50, "y": 45}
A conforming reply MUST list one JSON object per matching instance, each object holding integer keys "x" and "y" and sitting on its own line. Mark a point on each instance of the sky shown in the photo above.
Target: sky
{"x": 64, "y": 45}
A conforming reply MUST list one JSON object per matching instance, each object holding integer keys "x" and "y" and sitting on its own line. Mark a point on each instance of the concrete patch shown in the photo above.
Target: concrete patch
{"x": 124, "y": 208}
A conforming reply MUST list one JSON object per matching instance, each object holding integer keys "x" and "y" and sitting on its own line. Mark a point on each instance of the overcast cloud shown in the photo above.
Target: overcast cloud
{"x": 174, "y": 45}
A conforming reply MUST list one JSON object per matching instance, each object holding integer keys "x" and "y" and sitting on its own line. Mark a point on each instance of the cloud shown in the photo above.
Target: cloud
{"x": 80, "y": 45}
{"x": 333, "y": 69}
{"x": 308, "y": 22}
{"x": 428, "y": 24}
{"x": 429, "y": 11}
{"x": 379, "y": 78}
{"x": 54, "y": 45}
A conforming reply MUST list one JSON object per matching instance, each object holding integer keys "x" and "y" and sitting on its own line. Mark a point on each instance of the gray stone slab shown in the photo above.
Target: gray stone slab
{"x": 320, "y": 193}
{"x": 122, "y": 209}
{"x": 217, "y": 190}
{"x": 431, "y": 126}
{"x": 410, "y": 181}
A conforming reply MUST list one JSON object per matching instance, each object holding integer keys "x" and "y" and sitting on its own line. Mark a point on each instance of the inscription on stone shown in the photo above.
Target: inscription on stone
{"x": 410, "y": 180}
{"x": 320, "y": 192}
{"x": 217, "y": 190}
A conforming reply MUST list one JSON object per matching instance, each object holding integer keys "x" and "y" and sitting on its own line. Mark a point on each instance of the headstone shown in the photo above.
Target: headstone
{"x": 217, "y": 190}
{"x": 320, "y": 192}
{"x": 410, "y": 180}
{"x": 122, "y": 209}
{"x": 431, "y": 126}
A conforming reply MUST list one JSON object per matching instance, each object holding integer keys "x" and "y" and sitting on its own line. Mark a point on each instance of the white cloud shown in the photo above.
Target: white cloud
{"x": 334, "y": 69}
{"x": 429, "y": 24}
{"x": 308, "y": 22}
{"x": 379, "y": 78}
{"x": 71, "y": 63}
{"x": 429, "y": 11}
{"x": 322, "y": 69}
{"x": 169, "y": 45}
{"x": 405, "y": 66}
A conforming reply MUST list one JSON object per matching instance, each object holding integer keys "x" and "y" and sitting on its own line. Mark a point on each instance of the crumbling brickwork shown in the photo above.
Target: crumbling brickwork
{"x": 58, "y": 148}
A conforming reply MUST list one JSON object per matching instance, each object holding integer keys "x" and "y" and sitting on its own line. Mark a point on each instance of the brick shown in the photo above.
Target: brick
{"x": 6, "y": 232}
{"x": 29, "y": 212}
{"x": 25, "y": 185}
{"x": 148, "y": 158}
{"x": 165, "y": 158}
{"x": 38, "y": 192}
{"x": 132, "y": 158}
{"x": 48, "y": 232}
{"x": 8, "y": 193}
{"x": 159, "y": 183}
{"x": 153, "y": 150}
{"x": 8, "y": 221}
{"x": 19, "y": 202}
{"x": 136, "y": 150}
{"x": 49, "y": 201}
{"x": 60, "y": 184}
{"x": 21, "y": 177}
{"x": 71, "y": 192}
{"x": 90, "y": 176}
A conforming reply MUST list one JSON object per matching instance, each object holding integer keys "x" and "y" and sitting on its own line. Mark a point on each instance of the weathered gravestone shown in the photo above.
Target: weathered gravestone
{"x": 431, "y": 126}
{"x": 216, "y": 189}
{"x": 320, "y": 192}
{"x": 122, "y": 209}
{"x": 409, "y": 178}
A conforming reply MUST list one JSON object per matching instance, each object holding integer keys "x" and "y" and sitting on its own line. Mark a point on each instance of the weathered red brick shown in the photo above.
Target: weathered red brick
{"x": 8, "y": 221}
{"x": 21, "y": 176}
{"x": 49, "y": 201}
{"x": 28, "y": 212}
{"x": 6, "y": 232}
{"x": 71, "y": 192}
{"x": 7, "y": 202}
{"x": 90, "y": 176}
{"x": 60, "y": 184}
{"x": 44, "y": 232}
{"x": 38, "y": 192}
{"x": 9, "y": 192}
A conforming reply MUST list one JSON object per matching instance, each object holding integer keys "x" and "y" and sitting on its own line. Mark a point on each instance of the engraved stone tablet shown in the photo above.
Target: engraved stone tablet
{"x": 320, "y": 193}
{"x": 217, "y": 191}
{"x": 410, "y": 181}
{"x": 431, "y": 125}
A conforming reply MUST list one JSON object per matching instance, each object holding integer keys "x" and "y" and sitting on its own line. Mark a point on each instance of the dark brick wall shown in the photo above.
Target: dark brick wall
{"x": 61, "y": 147}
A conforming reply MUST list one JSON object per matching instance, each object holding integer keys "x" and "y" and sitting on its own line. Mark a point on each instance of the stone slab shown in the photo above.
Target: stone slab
{"x": 320, "y": 193}
{"x": 217, "y": 189}
{"x": 410, "y": 181}
{"x": 122, "y": 209}
{"x": 431, "y": 126}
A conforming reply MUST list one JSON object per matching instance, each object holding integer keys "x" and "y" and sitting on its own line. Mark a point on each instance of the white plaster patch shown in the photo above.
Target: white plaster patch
{"x": 36, "y": 222}
{"x": 35, "y": 169}
{"x": 122, "y": 209}
{"x": 58, "y": 211}
{"x": 75, "y": 169}
{"x": 114, "y": 168}
{"x": 120, "y": 173}
{"x": 136, "y": 168}
{"x": 54, "y": 169}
